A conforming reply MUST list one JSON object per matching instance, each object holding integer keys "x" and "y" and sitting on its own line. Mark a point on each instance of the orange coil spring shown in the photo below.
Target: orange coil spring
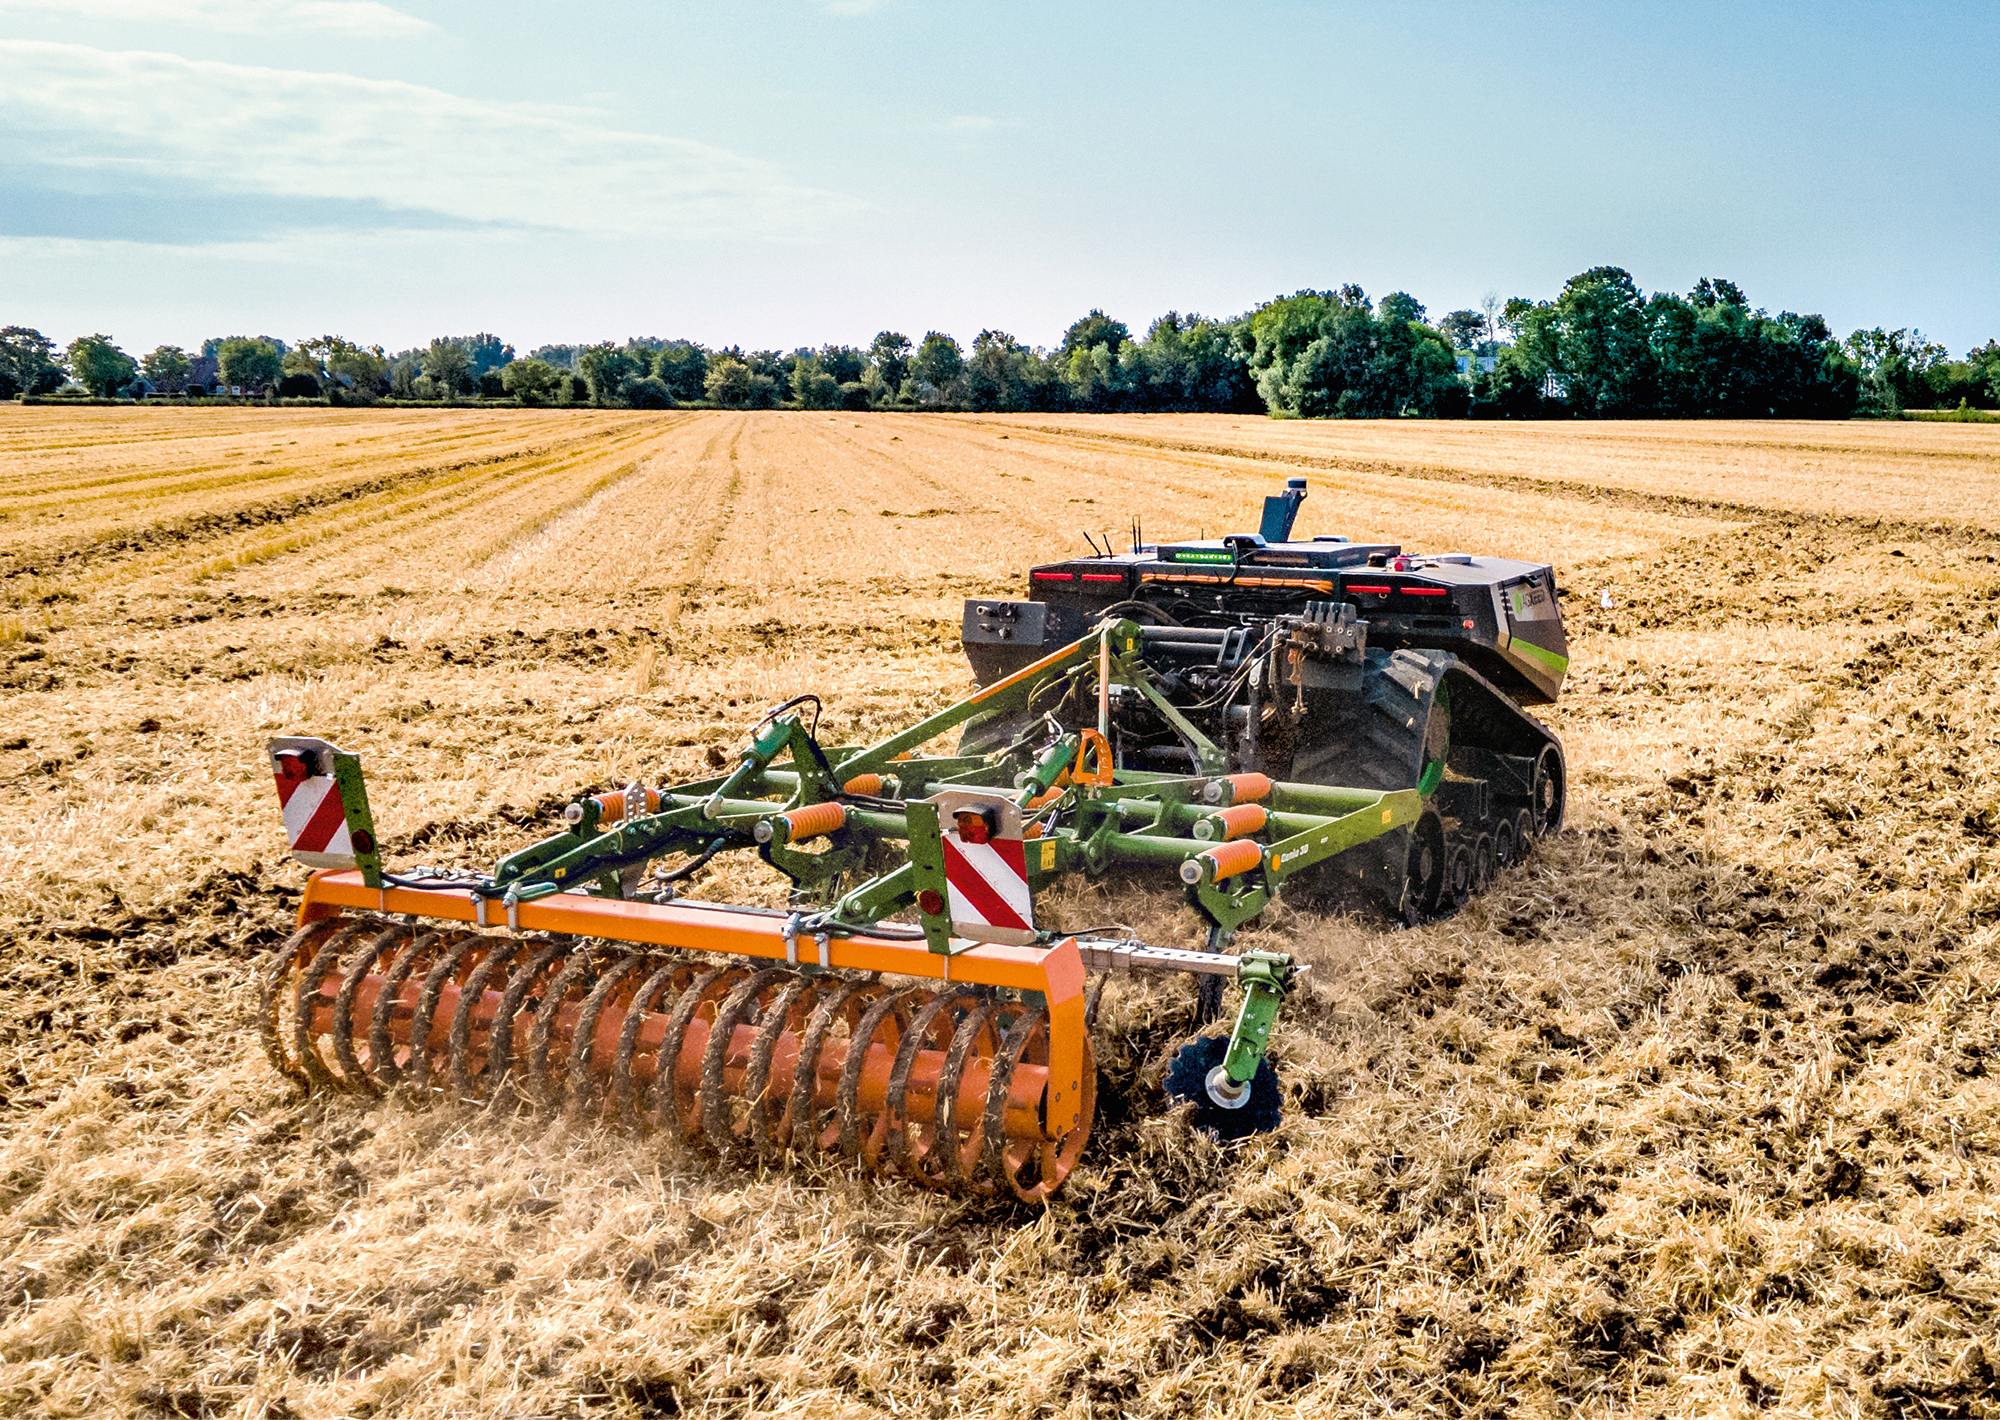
{"x": 1239, "y": 855}
{"x": 1240, "y": 821}
{"x": 813, "y": 820}
{"x": 945, "y": 1088}
{"x": 1243, "y": 788}
{"x": 863, "y": 784}
{"x": 611, "y": 807}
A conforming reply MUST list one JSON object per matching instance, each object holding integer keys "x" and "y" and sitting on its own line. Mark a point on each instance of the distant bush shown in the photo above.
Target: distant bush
{"x": 648, "y": 392}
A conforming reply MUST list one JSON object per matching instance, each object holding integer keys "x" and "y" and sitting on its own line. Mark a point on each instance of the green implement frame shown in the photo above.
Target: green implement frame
{"x": 1081, "y": 813}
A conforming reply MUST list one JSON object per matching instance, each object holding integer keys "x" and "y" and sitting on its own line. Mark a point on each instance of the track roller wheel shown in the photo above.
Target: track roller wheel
{"x": 1504, "y": 854}
{"x": 1424, "y": 885}
{"x": 1187, "y": 1079}
{"x": 1485, "y": 862}
{"x": 1458, "y": 875}
{"x": 1524, "y": 835}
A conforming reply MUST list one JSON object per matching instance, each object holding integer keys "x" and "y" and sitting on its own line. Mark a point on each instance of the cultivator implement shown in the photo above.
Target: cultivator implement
{"x": 1216, "y": 710}
{"x": 908, "y": 1014}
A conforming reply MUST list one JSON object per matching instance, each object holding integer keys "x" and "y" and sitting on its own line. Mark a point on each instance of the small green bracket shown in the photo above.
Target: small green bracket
{"x": 927, "y": 873}
{"x": 360, "y": 822}
{"x": 1264, "y": 977}
{"x": 875, "y": 899}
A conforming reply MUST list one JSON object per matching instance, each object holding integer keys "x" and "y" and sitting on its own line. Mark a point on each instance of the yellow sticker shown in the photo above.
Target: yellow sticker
{"x": 1385, "y": 815}
{"x": 1049, "y": 856}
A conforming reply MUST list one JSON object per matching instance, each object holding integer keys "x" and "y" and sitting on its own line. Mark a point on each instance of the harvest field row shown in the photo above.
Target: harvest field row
{"x": 1691, "y": 1114}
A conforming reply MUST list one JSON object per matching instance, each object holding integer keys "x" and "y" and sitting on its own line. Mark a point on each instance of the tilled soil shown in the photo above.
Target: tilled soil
{"x": 1693, "y": 1113}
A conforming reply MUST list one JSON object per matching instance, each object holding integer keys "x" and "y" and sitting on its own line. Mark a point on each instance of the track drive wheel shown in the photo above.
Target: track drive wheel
{"x": 1549, "y": 791}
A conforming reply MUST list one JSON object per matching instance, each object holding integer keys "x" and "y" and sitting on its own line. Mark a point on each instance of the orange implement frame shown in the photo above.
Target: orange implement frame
{"x": 1054, "y": 971}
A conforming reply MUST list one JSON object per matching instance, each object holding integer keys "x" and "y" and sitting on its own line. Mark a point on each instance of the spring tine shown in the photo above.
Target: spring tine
{"x": 542, "y": 1090}
{"x": 500, "y": 1035}
{"x": 898, "y": 1155}
{"x": 853, "y": 1144}
{"x": 666, "y": 1094}
{"x": 718, "y": 1124}
{"x": 582, "y": 1084}
{"x": 358, "y": 968}
{"x": 998, "y": 1169}
{"x": 624, "y": 1093}
{"x": 959, "y": 1158}
{"x": 301, "y": 946}
{"x": 780, "y": 1016}
{"x": 382, "y": 1065}
{"x": 499, "y": 951}
{"x": 308, "y": 986}
{"x": 802, "y": 1115}
{"x": 418, "y": 1078}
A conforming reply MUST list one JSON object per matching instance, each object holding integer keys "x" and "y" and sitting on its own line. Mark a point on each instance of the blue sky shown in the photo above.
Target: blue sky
{"x": 786, "y": 172}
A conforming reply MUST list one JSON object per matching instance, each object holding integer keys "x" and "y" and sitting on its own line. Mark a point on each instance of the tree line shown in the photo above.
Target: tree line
{"x": 1600, "y": 348}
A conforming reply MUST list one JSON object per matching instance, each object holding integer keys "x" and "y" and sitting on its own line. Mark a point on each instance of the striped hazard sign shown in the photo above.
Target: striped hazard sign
{"x": 987, "y": 884}
{"x": 984, "y": 869}
{"x": 309, "y": 794}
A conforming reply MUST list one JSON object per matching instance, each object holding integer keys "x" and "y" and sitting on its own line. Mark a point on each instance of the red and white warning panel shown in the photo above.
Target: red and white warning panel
{"x": 985, "y": 868}
{"x": 315, "y": 812}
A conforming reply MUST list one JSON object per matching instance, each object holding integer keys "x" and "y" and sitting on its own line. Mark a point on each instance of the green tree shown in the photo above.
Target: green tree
{"x": 890, "y": 355}
{"x": 27, "y": 362}
{"x": 1712, "y": 291}
{"x": 301, "y": 374}
{"x": 606, "y": 370}
{"x": 449, "y": 365}
{"x": 844, "y": 362}
{"x": 1089, "y": 361}
{"x": 681, "y": 366}
{"x": 1466, "y": 330}
{"x": 1188, "y": 362}
{"x": 1595, "y": 337}
{"x": 1400, "y": 306}
{"x": 99, "y": 365}
{"x": 1985, "y": 361}
{"x": 250, "y": 364}
{"x": 1894, "y": 369}
{"x": 1092, "y": 331}
{"x": 1326, "y": 353}
{"x": 1005, "y": 374}
{"x": 812, "y": 386}
{"x": 938, "y": 361}
{"x": 166, "y": 369}
{"x": 531, "y": 381}
{"x": 646, "y": 392}
{"x": 485, "y": 351}
{"x": 728, "y": 382}
{"x": 361, "y": 369}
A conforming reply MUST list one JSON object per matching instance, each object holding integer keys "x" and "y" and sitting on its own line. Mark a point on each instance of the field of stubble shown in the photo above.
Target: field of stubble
{"x": 1698, "y": 1112}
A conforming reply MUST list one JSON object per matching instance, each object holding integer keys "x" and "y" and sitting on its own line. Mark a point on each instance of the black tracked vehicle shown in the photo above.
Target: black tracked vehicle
{"x": 1320, "y": 661}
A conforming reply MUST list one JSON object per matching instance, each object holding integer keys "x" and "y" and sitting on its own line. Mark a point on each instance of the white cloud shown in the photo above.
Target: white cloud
{"x": 362, "y": 19}
{"x": 849, "y": 7}
{"x": 95, "y": 118}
